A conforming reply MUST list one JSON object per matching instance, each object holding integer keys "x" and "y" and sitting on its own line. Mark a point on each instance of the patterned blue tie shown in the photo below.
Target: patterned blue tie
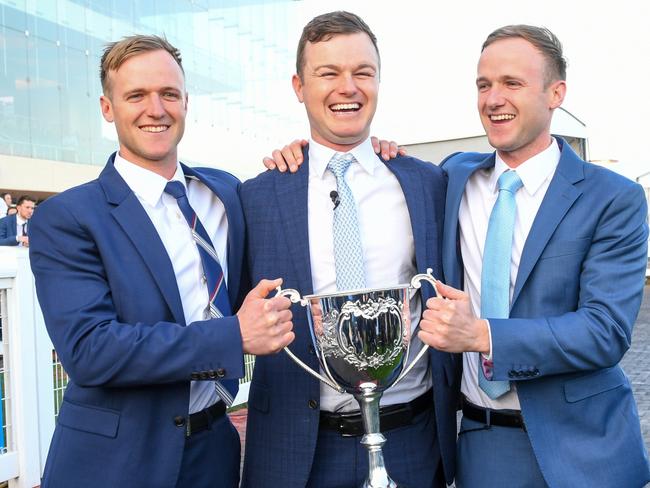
{"x": 348, "y": 253}
{"x": 495, "y": 277}
{"x": 219, "y": 303}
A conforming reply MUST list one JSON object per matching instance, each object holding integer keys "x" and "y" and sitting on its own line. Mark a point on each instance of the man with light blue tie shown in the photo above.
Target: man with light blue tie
{"x": 552, "y": 257}
{"x": 346, "y": 220}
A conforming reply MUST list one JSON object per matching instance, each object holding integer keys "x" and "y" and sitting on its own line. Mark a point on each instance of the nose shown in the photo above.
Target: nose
{"x": 155, "y": 106}
{"x": 347, "y": 85}
{"x": 494, "y": 97}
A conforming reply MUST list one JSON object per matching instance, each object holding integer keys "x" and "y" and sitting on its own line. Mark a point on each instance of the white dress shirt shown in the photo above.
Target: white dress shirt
{"x": 480, "y": 194}
{"x": 176, "y": 236}
{"x": 19, "y": 228}
{"x": 388, "y": 249}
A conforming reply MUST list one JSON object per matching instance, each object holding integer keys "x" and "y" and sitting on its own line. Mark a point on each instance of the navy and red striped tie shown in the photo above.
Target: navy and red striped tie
{"x": 219, "y": 303}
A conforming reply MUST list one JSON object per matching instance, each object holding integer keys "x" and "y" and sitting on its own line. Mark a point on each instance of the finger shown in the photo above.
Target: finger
{"x": 284, "y": 316}
{"x": 375, "y": 144}
{"x": 296, "y": 149}
{"x": 264, "y": 287}
{"x": 279, "y": 303}
{"x": 385, "y": 149}
{"x": 288, "y": 338}
{"x": 393, "y": 149}
{"x": 435, "y": 303}
{"x": 450, "y": 292}
{"x": 279, "y": 161}
{"x": 402, "y": 151}
{"x": 269, "y": 163}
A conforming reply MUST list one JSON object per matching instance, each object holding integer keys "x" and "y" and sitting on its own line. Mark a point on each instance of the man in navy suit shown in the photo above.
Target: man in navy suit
{"x": 300, "y": 432}
{"x": 14, "y": 228}
{"x": 152, "y": 353}
{"x": 545, "y": 402}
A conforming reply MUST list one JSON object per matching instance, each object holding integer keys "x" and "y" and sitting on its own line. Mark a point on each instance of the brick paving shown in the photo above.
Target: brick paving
{"x": 636, "y": 364}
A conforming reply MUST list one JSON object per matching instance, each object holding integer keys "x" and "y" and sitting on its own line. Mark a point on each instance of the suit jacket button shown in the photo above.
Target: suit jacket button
{"x": 195, "y": 376}
{"x": 313, "y": 404}
{"x": 512, "y": 373}
{"x": 536, "y": 372}
{"x": 212, "y": 374}
{"x": 204, "y": 375}
{"x": 179, "y": 421}
{"x": 221, "y": 373}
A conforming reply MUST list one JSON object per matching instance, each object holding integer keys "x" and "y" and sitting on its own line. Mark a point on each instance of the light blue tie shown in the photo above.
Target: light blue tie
{"x": 495, "y": 277}
{"x": 348, "y": 253}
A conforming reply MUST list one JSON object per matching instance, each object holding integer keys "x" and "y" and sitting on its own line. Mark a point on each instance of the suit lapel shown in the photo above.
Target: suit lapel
{"x": 135, "y": 222}
{"x": 458, "y": 176}
{"x": 292, "y": 203}
{"x": 559, "y": 198}
{"x": 412, "y": 188}
{"x": 235, "y": 227}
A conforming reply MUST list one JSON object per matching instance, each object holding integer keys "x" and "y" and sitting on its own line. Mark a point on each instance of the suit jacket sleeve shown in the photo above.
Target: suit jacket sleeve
{"x": 97, "y": 345}
{"x": 610, "y": 287}
{"x": 7, "y": 238}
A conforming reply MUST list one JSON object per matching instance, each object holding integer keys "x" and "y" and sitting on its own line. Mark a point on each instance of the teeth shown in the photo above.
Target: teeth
{"x": 345, "y": 106}
{"x": 154, "y": 128}
{"x": 502, "y": 117}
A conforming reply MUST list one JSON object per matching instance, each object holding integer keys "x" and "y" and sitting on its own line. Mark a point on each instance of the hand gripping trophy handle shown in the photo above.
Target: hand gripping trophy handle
{"x": 295, "y": 297}
{"x": 416, "y": 284}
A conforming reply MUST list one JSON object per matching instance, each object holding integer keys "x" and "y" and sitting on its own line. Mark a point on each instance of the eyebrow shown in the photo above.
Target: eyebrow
{"x": 337, "y": 68}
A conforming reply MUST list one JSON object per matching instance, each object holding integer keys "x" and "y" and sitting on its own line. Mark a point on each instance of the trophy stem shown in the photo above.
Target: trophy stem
{"x": 373, "y": 440}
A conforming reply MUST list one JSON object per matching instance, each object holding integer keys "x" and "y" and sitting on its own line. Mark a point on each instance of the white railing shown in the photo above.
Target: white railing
{"x": 32, "y": 380}
{"x": 26, "y": 374}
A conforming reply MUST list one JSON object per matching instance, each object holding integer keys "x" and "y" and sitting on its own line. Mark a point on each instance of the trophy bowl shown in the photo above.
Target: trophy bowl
{"x": 362, "y": 340}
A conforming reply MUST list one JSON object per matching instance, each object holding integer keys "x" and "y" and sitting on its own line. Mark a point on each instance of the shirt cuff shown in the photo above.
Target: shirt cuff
{"x": 488, "y": 357}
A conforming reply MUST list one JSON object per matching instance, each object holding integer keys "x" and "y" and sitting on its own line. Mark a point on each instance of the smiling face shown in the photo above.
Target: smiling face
{"x": 515, "y": 99}
{"x": 148, "y": 103}
{"x": 339, "y": 87}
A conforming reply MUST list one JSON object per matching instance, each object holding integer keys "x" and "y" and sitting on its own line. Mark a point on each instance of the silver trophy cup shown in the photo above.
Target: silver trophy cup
{"x": 362, "y": 341}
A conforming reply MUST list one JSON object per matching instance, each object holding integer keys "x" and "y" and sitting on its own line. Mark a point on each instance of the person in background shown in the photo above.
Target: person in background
{"x": 14, "y": 229}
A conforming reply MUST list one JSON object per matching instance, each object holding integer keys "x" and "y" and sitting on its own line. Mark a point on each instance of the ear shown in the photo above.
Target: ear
{"x": 297, "y": 87}
{"x": 107, "y": 108}
{"x": 557, "y": 92}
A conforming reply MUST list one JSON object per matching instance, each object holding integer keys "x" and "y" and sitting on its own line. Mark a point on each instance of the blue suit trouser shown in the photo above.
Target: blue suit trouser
{"x": 411, "y": 455}
{"x": 495, "y": 457}
{"x": 211, "y": 457}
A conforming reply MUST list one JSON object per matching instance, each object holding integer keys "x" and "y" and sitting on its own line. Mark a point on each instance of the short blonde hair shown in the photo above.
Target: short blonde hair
{"x": 117, "y": 53}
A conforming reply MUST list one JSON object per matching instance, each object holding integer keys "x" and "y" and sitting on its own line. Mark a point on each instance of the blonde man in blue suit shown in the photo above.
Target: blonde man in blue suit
{"x": 545, "y": 402}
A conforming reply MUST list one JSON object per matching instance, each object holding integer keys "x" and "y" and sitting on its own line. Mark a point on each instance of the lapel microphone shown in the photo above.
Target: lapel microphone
{"x": 334, "y": 195}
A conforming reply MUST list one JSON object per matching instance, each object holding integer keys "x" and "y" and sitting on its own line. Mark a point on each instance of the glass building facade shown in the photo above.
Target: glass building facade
{"x": 237, "y": 55}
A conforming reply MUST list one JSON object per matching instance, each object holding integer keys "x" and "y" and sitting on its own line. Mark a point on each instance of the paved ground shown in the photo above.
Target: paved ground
{"x": 636, "y": 364}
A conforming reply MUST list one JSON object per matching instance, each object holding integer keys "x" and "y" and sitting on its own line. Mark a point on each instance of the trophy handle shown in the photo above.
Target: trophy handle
{"x": 294, "y": 297}
{"x": 416, "y": 284}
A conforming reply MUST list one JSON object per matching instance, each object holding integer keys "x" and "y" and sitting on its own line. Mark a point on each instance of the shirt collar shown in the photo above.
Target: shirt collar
{"x": 533, "y": 172}
{"x": 146, "y": 184}
{"x": 319, "y": 157}
{"x": 20, "y": 220}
